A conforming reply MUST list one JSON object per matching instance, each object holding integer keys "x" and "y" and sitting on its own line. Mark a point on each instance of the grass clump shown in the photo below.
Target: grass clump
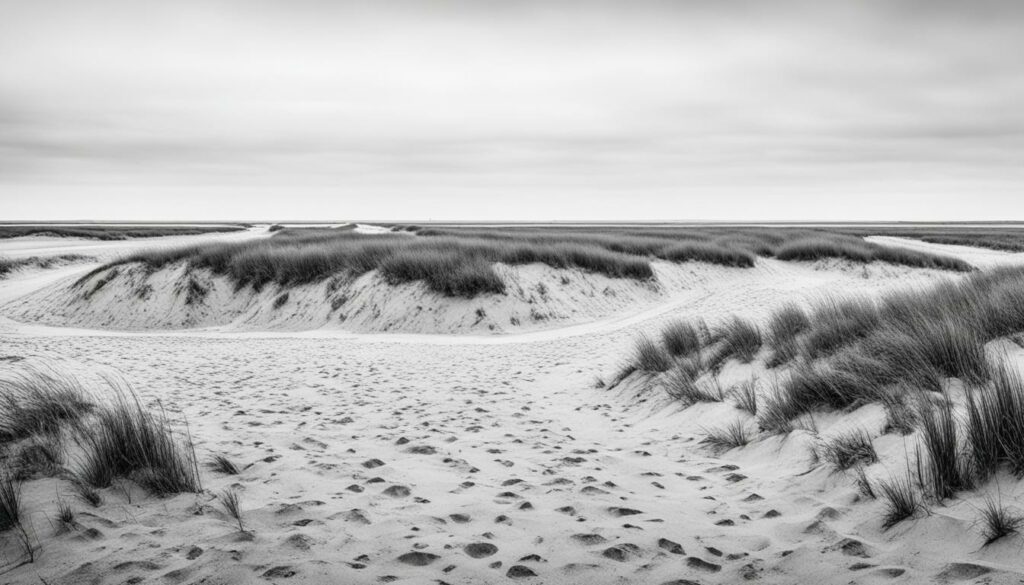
{"x": 901, "y": 500}
{"x": 39, "y": 401}
{"x": 745, "y": 394}
{"x": 848, "y": 449}
{"x": 943, "y": 468}
{"x": 126, "y": 440}
{"x": 995, "y": 423}
{"x": 784, "y": 328}
{"x": 998, "y": 521}
{"x": 681, "y": 338}
{"x": 232, "y": 505}
{"x": 681, "y": 383}
{"x": 10, "y": 500}
{"x": 739, "y": 338}
{"x": 731, "y": 436}
{"x": 649, "y": 357}
{"x": 222, "y": 464}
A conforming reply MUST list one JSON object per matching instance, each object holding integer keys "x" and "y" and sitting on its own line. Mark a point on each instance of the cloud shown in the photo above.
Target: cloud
{"x": 567, "y": 99}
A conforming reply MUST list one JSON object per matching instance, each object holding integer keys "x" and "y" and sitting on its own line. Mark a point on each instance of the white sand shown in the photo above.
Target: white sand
{"x": 476, "y": 427}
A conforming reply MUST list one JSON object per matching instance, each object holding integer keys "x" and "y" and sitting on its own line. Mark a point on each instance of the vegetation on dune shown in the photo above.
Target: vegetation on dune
{"x": 45, "y": 413}
{"x": 459, "y": 262}
{"x": 995, "y": 237}
{"x": 113, "y": 231}
{"x": 8, "y": 265}
{"x": 901, "y": 351}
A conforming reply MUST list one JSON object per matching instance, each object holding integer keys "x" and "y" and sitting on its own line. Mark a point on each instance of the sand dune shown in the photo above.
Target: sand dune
{"x": 411, "y": 460}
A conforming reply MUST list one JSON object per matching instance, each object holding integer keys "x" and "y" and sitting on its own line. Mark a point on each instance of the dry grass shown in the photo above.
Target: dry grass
{"x": 650, "y": 357}
{"x": 848, "y": 449}
{"x": 682, "y": 338}
{"x": 127, "y": 440}
{"x": 459, "y": 262}
{"x": 901, "y": 500}
{"x": 731, "y": 436}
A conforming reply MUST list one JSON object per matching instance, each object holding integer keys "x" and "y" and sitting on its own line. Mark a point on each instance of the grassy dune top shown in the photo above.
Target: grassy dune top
{"x": 459, "y": 262}
{"x": 900, "y": 350}
{"x": 112, "y": 231}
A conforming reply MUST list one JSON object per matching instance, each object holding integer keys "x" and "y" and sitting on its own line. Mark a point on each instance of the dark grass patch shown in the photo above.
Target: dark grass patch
{"x": 112, "y": 231}
{"x": 731, "y": 436}
{"x": 943, "y": 468}
{"x": 649, "y": 357}
{"x": 901, "y": 500}
{"x": 127, "y": 440}
{"x": 998, "y": 521}
{"x": 739, "y": 338}
{"x": 10, "y": 500}
{"x": 848, "y": 449}
{"x": 995, "y": 423}
{"x": 681, "y": 338}
{"x": 39, "y": 401}
{"x": 784, "y": 327}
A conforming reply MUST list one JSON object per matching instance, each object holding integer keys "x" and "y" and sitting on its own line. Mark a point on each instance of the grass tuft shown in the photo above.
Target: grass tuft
{"x": 731, "y": 436}
{"x": 232, "y": 505}
{"x": 901, "y": 501}
{"x": 649, "y": 357}
{"x": 222, "y": 464}
{"x": 681, "y": 338}
{"x": 127, "y": 440}
{"x": 943, "y": 468}
{"x": 10, "y": 500}
{"x": 848, "y": 449}
{"x": 998, "y": 521}
{"x": 740, "y": 338}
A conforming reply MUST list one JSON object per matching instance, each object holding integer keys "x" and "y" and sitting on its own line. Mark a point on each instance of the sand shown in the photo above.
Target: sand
{"x": 431, "y": 457}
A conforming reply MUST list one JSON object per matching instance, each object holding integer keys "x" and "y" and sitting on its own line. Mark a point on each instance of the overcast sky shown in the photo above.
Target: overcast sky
{"x": 481, "y": 109}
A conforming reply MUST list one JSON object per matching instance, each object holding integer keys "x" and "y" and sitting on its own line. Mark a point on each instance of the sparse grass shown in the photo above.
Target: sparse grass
{"x": 998, "y": 521}
{"x": 87, "y": 493}
{"x": 222, "y": 464}
{"x": 860, "y": 478}
{"x": 731, "y": 436}
{"x": 901, "y": 501}
{"x": 8, "y": 265}
{"x": 232, "y": 505}
{"x": 280, "y": 301}
{"x": 681, "y": 383}
{"x": 127, "y": 440}
{"x": 848, "y": 449}
{"x": 681, "y": 338}
{"x": 777, "y": 412}
{"x": 649, "y": 357}
{"x": 746, "y": 396}
{"x": 65, "y": 516}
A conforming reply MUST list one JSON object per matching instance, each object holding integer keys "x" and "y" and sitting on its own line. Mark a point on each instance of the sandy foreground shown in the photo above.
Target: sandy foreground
{"x": 433, "y": 458}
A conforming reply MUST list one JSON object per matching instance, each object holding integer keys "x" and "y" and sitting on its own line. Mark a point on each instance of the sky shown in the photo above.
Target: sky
{"x": 512, "y": 110}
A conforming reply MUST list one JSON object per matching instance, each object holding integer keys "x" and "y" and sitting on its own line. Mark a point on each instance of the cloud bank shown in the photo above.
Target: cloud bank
{"x": 480, "y": 109}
